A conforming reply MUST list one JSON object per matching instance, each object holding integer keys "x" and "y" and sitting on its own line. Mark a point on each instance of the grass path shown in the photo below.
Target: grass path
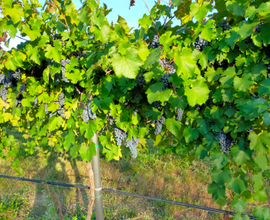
{"x": 167, "y": 177}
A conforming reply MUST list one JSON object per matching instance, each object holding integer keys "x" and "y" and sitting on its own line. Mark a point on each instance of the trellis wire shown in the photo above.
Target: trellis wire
{"x": 127, "y": 194}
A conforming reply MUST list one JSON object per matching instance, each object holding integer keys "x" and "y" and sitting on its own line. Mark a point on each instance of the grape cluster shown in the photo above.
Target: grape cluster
{"x": 179, "y": 114}
{"x": 168, "y": 67}
{"x": 63, "y": 63}
{"x": 12, "y": 78}
{"x": 120, "y": 135}
{"x": 200, "y": 43}
{"x": 156, "y": 104}
{"x": 60, "y": 102}
{"x": 140, "y": 80}
{"x": 211, "y": 123}
{"x": 225, "y": 142}
{"x": 132, "y": 145}
{"x": 165, "y": 81}
{"x": 198, "y": 107}
{"x": 87, "y": 112}
{"x": 135, "y": 112}
{"x": 248, "y": 40}
{"x": 23, "y": 88}
{"x": 110, "y": 119}
{"x": 159, "y": 123}
{"x": 155, "y": 42}
{"x": 251, "y": 129}
{"x": 221, "y": 64}
{"x": 3, "y": 94}
{"x": 224, "y": 25}
{"x": 258, "y": 28}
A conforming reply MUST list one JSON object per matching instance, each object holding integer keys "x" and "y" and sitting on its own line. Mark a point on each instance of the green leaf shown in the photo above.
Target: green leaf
{"x": 199, "y": 11}
{"x": 216, "y": 191}
{"x": 227, "y": 77}
{"x": 145, "y": 21}
{"x": 15, "y": 12}
{"x": 236, "y": 7}
{"x": 240, "y": 156}
{"x": 258, "y": 142}
{"x": 190, "y": 134}
{"x": 266, "y": 118}
{"x": 264, "y": 87}
{"x": 53, "y": 53}
{"x": 143, "y": 52}
{"x": 239, "y": 204}
{"x": 152, "y": 58}
{"x": 221, "y": 177}
{"x": 198, "y": 94}
{"x": 220, "y": 159}
{"x": 123, "y": 24}
{"x": 251, "y": 12}
{"x": 262, "y": 162}
{"x": 166, "y": 40}
{"x": 69, "y": 139}
{"x": 155, "y": 93}
{"x": 186, "y": 64}
{"x": 88, "y": 129}
{"x": 202, "y": 124}
{"x": 260, "y": 195}
{"x": 52, "y": 107}
{"x": 210, "y": 142}
{"x": 73, "y": 150}
{"x": 262, "y": 214}
{"x": 258, "y": 181}
{"x": 246, "y": 28}
{"x": 85, "y": 153}
{"x": 176, "y": 2}
{"x": 243, "y": 84}
{"x": 55, "y": 123}
{"x": 208, "y": 30}
{"x": 237, "y": 185}
{"x": 127, "y": 65}
{"x": 173, "y": 126}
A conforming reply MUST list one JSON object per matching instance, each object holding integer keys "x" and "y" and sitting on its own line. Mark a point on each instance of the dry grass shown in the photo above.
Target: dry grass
{"x": 167, "y": 177}
{"x": 162, "y": 180}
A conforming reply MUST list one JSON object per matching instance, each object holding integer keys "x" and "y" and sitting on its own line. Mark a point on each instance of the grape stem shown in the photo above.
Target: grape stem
{"x": 250, "y": 179}
{"x": 63, "y": 16}
{"x": 151, "y": 18}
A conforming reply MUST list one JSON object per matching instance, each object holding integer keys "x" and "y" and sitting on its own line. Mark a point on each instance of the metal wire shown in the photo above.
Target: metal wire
{"x": 46, "y": 182}
{"x": 128, "y": 194}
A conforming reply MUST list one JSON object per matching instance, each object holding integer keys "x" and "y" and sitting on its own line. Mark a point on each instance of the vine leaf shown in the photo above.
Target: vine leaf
{"x": 262, "y": 213}
{"x": 237, "y": 185}
{"x": 15, "y": 12}
{"x": 127, "y": 65}
{"x": 155, "y": 93}
{"x": 260, "y": 195}
{"x": 198, "y": 94}
{"x": 55, "y": 123}
{"x": 173, "y": 126}
{"x": 221, "y": 176}
{"x": 239, "y": 204}
{"x": 216, "y": 191}
{"x": 266, "y": 118}
{"x": 87, "y": 152}
{"x": 186, "y": 64}
{"x": 258, "y": 181}
{"x": 69, "y": 139}
{"x": 190, "y": 134}
{"x": 258, "y": 142}
{"x": 262, "y": 162}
